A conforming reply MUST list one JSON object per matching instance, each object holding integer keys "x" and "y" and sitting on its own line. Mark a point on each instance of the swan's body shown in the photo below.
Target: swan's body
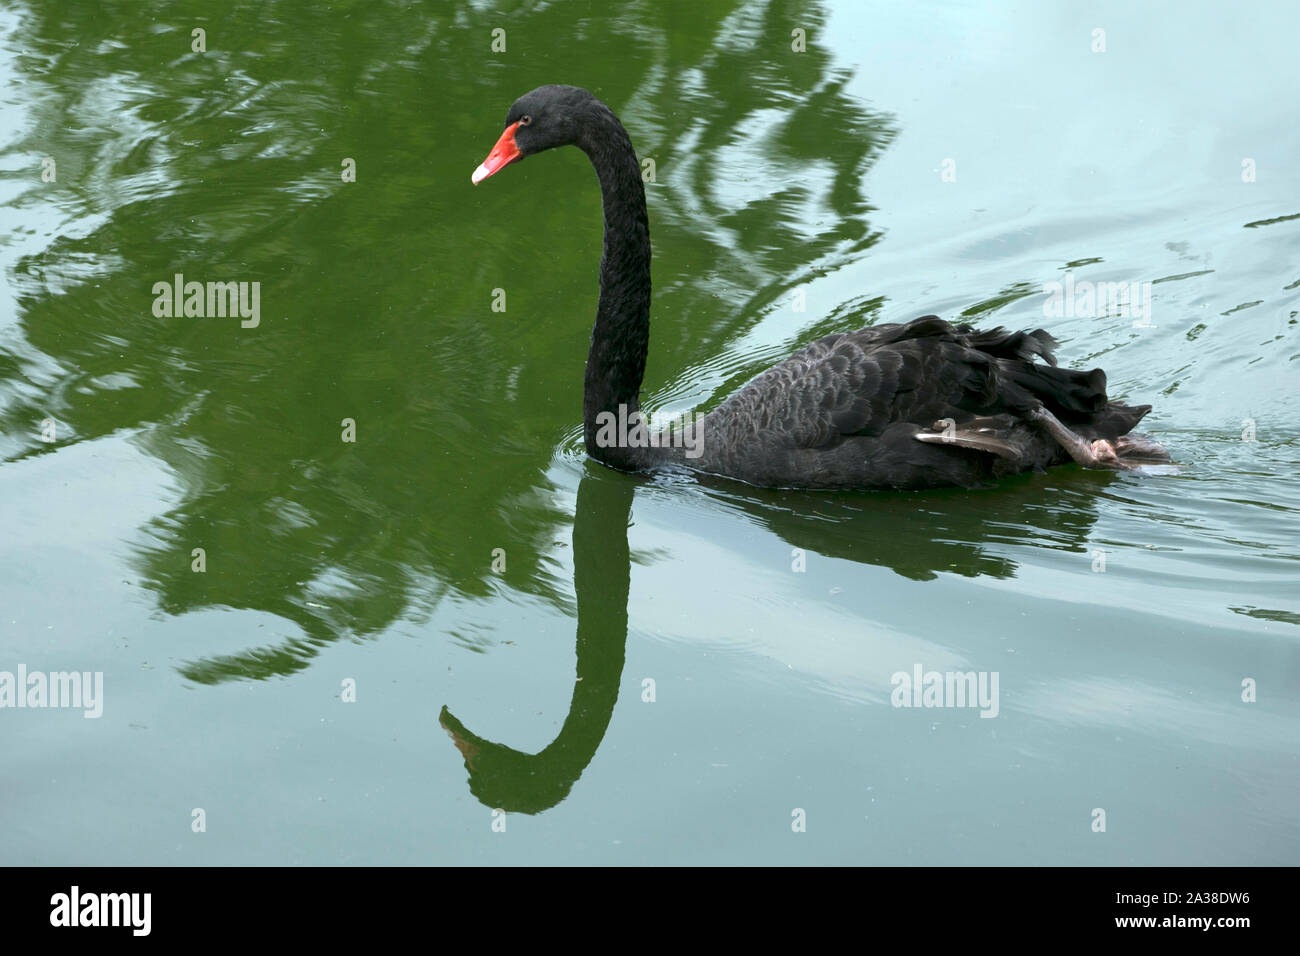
{"x": 916, "y": 405}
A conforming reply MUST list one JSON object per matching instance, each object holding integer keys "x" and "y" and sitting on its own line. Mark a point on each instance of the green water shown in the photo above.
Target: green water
{"x": 664, "y": 670}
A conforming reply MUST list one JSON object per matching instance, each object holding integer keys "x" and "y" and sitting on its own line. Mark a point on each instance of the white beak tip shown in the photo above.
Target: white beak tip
{"x": 480, "y": 174}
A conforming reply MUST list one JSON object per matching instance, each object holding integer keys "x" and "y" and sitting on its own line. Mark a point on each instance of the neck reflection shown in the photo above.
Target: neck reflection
{"x": 507, "y": 779}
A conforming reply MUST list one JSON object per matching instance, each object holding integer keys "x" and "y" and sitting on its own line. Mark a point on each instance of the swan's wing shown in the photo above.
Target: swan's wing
{"x": 859, "y": 383}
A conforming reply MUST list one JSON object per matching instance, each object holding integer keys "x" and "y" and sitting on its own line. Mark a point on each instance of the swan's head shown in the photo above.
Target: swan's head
{"x": 547, "y": 117}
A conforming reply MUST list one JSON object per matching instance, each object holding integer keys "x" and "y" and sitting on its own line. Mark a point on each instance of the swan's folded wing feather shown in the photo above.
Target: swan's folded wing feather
{"x": 857, "y": 384}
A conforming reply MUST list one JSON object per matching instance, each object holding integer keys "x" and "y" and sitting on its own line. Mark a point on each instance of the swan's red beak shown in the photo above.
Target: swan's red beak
{"x": 503, "y": 154}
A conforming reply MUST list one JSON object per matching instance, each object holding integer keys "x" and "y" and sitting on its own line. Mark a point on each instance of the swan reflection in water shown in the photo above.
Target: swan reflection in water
{"x": 504, "y": 778}
{"x": 917, "y": 535}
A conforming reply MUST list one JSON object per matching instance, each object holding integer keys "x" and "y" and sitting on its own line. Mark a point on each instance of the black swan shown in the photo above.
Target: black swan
{"x": 921, "y": 404}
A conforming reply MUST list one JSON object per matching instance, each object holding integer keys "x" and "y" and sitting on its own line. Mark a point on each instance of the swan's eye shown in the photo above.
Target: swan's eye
{"x": 525, "y": 121}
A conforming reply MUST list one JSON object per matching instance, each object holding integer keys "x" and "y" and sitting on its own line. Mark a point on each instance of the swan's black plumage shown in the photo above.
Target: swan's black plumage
{"x": 915, "y": 405}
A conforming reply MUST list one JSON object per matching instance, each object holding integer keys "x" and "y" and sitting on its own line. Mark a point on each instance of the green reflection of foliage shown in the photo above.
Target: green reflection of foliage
{"x": 375, "y": 295}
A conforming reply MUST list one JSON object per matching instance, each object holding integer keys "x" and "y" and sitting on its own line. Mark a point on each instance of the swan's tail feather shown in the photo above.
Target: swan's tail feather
{"x": 1116, "y": 419}
{"x": 1020, "y": 382}
{"x": 1068, "y": 391}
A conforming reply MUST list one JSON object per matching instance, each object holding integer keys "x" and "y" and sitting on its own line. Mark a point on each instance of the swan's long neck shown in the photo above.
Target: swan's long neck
{"x": 621, "y": 335}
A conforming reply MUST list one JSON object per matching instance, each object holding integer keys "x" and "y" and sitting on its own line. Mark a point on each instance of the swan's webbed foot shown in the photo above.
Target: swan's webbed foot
{"x": 1096, "y": 454}
{"x": 1135, "y": 446}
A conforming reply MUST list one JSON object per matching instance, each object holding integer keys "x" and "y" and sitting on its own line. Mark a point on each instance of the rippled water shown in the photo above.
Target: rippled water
{"x": 665, "y": 670}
